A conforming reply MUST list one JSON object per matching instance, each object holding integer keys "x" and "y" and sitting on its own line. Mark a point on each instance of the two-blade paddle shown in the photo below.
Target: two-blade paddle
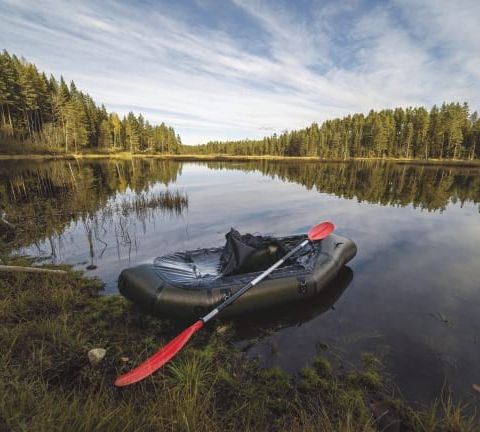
{"x": 166, "y": 353}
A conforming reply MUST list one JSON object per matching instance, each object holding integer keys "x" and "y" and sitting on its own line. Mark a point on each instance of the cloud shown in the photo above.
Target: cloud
{"x": 224, "y": 72}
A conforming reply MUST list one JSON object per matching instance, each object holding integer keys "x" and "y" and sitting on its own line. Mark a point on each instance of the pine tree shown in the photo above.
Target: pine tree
{"x": 106, "y": 134}
{"x": 76, "y": 125}
{"x": 132, "y": 132}
{"x": 10, "y": 91}
{"x": 54, "y": 114}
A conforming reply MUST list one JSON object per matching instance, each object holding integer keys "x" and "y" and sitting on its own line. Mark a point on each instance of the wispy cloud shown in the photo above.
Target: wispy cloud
{"x": 242, "y": 68}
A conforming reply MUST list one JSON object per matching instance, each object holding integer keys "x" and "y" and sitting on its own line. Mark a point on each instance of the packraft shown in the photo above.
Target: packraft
{"x": 189, "y": 284}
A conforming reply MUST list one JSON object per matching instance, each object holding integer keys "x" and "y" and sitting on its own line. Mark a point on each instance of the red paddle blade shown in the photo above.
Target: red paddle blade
{"x": 320, "y": 231}
{"x": 161, "y": 357}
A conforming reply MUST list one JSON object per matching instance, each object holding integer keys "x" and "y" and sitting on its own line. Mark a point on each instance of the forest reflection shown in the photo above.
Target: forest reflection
{"x": 42, "y": 199}
{"x": 429, "y": 188}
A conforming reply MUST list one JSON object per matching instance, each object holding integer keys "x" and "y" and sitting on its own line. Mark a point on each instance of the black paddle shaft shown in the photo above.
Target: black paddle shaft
{"x": 251, "y": 284}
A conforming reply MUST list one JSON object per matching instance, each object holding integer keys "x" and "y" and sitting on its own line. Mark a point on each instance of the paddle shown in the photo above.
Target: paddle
{"x": 166, "y": 353}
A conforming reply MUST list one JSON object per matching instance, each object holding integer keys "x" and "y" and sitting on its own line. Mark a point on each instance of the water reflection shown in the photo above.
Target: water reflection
{"x": 425, "y": 187}
{"x": 415, "y": 297}
{"x": 45, "y": 199}
{"x": 121, "y": 215}
{"x": 296, "y": 314}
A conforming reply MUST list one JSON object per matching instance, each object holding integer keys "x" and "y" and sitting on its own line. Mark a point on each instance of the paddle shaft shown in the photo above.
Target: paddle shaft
{"x": 251, "y": 284}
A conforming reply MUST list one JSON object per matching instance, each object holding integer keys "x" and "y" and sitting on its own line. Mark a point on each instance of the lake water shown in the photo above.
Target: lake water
{"x": 411, "y": 296}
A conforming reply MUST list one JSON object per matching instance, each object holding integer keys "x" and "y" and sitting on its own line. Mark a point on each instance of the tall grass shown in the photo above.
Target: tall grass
{"x": 140, "y": 204}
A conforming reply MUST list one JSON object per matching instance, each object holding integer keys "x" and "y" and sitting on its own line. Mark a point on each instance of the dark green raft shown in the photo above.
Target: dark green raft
{"x": 190, "y": 284}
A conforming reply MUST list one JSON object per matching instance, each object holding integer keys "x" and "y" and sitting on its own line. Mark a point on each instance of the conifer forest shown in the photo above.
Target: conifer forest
{"x": 54, "y": 115}
{"x": 50, "y": 114}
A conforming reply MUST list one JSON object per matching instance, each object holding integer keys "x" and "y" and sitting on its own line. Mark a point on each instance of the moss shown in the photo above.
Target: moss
{"x": 366, "y": 380}
{"x": 353, "y": 400}
{"x": 311, "y": 381}
{"x": 322, "y": 366}
{"x": 277, "y": 380}
{"x": 370, "y": 362}
{"x": 370, "y": 379}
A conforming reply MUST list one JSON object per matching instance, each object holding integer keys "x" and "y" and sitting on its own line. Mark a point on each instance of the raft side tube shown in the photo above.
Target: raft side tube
{"x": 145, "y": 286}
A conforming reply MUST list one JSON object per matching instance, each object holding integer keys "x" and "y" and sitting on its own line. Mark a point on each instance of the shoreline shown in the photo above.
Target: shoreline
{"x": 236, "y": 158}
{"x": 51, "y": 385}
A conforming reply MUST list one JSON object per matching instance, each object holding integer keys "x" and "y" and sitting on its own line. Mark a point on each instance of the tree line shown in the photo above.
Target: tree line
{"x": 47, "y": 112}
{"x": 52, "y": 114}
{"x": 446, "y": 132}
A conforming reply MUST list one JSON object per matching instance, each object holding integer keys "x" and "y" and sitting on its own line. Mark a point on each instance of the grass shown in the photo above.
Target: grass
{"x": 167, "y": 201}
{"x": 49, "y": 323}
{"x": 8, "y": 152}
{"x": 12, "y": 148}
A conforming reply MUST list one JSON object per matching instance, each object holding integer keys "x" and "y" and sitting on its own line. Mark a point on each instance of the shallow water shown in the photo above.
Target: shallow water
{"x": 411, "y": 295}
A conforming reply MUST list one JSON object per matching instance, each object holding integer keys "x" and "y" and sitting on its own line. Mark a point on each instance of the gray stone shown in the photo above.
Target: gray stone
{"x": 96, "y": 355}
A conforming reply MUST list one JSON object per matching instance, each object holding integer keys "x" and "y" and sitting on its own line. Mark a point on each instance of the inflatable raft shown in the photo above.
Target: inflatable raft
{"x": 190, "y": 284}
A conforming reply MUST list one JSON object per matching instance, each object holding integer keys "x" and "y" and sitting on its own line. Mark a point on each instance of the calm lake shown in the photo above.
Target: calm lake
{"x": 411, "y": 296}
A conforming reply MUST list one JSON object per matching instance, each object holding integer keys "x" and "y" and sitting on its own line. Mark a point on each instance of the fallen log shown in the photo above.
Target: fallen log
{"x": 21, "y": 269}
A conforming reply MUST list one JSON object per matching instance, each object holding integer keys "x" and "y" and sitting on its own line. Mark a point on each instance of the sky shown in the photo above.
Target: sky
{"x": 235, "y": 69}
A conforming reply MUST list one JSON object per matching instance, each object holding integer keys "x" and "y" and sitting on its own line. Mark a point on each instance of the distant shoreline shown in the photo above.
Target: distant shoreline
{"x": 233, "y": 158}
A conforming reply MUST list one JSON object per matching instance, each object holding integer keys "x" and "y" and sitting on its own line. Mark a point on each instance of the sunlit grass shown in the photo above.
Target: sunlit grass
{"x": 140, "y": 204}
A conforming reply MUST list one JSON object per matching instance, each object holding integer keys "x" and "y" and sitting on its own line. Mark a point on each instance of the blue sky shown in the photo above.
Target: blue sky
{"x": 247, "y": 68}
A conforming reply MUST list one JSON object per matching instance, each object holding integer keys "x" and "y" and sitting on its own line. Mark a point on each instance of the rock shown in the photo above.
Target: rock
{"x": 124, "y": 359}
{"x": 222, "y": 329}
{"x": 96, "y": 355}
